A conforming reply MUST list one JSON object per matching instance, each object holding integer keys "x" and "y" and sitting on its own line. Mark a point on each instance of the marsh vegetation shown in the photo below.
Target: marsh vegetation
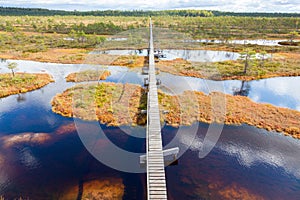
{"x": 22, "y": 82}
{"x": 117, "y": 104}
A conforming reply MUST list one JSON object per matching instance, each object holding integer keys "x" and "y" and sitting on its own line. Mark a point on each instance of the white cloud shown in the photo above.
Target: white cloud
{"x": 224, "y": 5}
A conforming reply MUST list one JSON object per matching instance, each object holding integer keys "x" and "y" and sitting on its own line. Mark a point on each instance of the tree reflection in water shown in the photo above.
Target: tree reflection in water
{"x": 243, "y": 90}
{"x": 21, "y": 97}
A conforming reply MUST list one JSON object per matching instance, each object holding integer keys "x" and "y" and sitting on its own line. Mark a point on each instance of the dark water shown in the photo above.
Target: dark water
{"x": 42, "y": 155}
{"x": 47, "y": 170}
{"x": 244, "y": 159}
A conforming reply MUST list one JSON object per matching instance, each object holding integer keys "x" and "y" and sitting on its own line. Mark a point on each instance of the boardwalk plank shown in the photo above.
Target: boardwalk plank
{"x": 156, "y": 181}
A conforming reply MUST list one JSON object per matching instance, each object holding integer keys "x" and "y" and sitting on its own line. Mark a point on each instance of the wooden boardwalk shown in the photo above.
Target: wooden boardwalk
{"x": 156, "y": 180}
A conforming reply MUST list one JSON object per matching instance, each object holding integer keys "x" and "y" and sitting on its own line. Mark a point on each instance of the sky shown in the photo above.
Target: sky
{"x": 221, "y": 5}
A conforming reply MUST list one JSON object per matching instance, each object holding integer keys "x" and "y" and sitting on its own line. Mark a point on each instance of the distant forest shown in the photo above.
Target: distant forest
{"x": 12, "y": 11}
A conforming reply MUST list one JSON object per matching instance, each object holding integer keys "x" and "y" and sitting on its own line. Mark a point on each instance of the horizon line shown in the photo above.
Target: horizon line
{"x": 151, "y": 10}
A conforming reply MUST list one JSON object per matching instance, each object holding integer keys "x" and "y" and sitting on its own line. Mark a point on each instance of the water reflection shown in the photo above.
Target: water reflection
{"x": 171, "y": 54}
{"x": 34, "y": 106}
{"x": 61, "y": 167}
{"x": 200, "y": 55}
{"x": 280, "y": 91}
{"x": 244, "y": 42}
{"x": 21, "y": 97}
{"x": 28, "y": 159}
{"x": 117, "y": 39}
{"x": 42, "y": 157}
{"x": 246, "y": 161}
{"x": 243, "y": 90}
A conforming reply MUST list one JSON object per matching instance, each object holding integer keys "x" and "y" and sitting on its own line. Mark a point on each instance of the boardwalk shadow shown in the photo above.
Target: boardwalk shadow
{"x": 142, "y": 111}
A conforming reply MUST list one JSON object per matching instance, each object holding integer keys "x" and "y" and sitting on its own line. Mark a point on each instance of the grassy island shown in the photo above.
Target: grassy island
{"x": 88, "y": 75}
{"x": 70, "y": 39}
{"x": 283, "y": 64}
{"x": 121, "y": 104}
{"x": 106, "y": 102}
{"x": 22, "y": 82}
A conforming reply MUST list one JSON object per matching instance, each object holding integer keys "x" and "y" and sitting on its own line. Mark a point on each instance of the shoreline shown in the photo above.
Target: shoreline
{"x": 109, "y": 107}
{"x": 22, "y": 83}
{"x": 282, "y": 65}
{"x": 88, "y": 75}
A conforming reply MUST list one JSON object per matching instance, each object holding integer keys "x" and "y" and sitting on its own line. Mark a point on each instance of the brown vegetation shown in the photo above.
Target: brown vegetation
{"x": 130, "y": 61}
{"x": 105, "y": 189}
{"x": 88, "y": 75}
{"x": 233, "y": 191}
{"x": 213, "y": 183}
{"x": 282, "y": 64}
{"x": 53, "y": 55}
{"x": 22, "y": 82}
{"x": 116, "y": 104}
{"x": 112, "y": 104}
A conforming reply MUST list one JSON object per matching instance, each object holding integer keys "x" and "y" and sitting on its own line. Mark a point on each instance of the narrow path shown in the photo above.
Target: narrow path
{"x": 156, "y": 180}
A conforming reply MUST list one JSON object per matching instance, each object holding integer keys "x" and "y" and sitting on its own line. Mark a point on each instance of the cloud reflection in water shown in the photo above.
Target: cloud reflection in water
{"x": 252, "y": 146}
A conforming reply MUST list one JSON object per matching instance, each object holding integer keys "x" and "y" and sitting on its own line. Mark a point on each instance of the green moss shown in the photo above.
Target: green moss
{"x": 103, "y": 94}
{"x": 235, "y": 69}
{"x": 143, "y": 102}
{"x": 22, "y": 82}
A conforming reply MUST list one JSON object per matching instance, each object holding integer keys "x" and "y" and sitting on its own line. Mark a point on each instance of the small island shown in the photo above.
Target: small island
{"x": 88, "y": 75}
{"x": 123, "y": 104}
{"x": 22, "y": 82}
{"x": 106, "y": 102}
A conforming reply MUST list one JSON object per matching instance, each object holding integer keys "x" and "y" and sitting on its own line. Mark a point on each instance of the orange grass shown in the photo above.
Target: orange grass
{"x": 88, "y": 75}
{"x": 117, "y": 104}
{"x": 22, "y": 82}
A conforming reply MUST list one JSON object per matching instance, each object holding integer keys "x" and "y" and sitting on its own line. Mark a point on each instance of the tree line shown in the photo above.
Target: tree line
{"x": 15, "y": 11}
{"x": 254, "y": 14}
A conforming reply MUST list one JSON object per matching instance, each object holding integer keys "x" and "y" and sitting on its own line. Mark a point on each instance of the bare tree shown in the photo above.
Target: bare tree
{"x": 12, "y": 66}
{"x": 293, "y": 35}
{"x": 247, "y": 55}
